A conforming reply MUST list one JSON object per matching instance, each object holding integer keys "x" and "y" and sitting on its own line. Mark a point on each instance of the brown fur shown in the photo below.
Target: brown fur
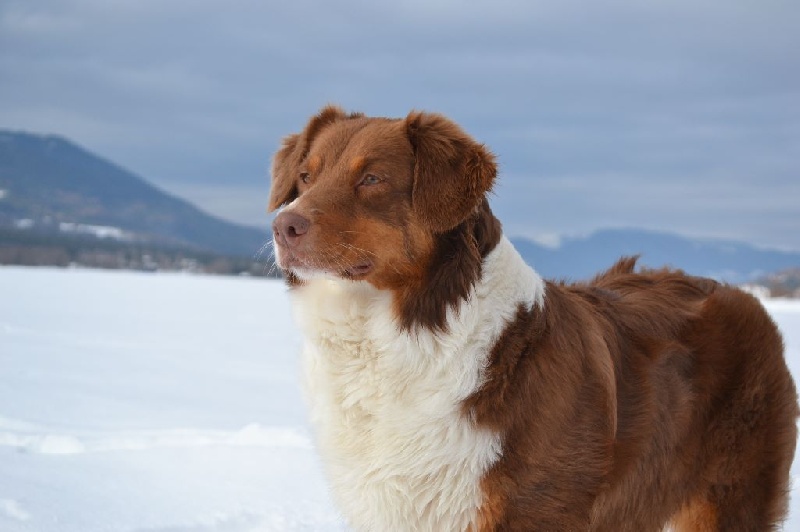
{"x": 401, "y": 225}
{"x": 631, "y": 401}
{"x": 636, "y": 398}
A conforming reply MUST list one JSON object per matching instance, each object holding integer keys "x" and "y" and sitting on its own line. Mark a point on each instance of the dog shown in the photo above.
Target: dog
{"x": 451, "y": 388}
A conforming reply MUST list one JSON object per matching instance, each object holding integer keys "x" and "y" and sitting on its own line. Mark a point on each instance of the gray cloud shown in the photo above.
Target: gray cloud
{"x": 680, "y": 116}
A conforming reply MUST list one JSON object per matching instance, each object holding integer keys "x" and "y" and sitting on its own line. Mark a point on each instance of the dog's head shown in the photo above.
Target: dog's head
{"x": 374, "y": 199}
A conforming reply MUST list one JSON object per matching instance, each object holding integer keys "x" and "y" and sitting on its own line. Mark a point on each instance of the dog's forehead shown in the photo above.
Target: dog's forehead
{"x": 360, "y": 138}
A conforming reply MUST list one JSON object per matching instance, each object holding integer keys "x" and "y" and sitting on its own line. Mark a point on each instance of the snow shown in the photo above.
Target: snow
{"x": 99, "y": 231}
{"x": 152, "y": 402}
{"x": 166, "y": 402}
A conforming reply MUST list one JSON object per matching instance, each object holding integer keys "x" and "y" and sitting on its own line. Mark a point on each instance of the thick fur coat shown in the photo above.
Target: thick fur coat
{"x": 451, "y": 388}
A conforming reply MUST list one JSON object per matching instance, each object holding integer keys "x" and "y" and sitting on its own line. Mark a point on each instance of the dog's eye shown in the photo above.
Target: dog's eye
{"x": 304, "y": 177}
{"x": 370, "y": 179}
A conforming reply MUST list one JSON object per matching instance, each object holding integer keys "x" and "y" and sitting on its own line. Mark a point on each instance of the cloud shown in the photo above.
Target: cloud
{"x": 698, "y": 98}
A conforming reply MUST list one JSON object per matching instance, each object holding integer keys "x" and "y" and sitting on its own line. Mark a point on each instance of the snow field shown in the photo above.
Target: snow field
{"x": 167, "y": 403}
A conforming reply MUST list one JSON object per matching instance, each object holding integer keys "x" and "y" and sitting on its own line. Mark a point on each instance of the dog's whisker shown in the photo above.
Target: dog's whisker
{"x": 357, "y": 249}
{"x": 269, "y": 264}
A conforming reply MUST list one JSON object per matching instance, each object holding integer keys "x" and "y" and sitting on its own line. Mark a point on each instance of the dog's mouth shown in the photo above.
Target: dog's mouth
{"x": 358, "y": 270}
{"x": 307, "y": 267}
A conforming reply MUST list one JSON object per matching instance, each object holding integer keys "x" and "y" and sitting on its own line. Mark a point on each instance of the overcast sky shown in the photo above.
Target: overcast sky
{"x": 679, "y": 115}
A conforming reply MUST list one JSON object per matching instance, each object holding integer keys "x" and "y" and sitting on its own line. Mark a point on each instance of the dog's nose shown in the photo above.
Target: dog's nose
{"x": 288, "y": 227}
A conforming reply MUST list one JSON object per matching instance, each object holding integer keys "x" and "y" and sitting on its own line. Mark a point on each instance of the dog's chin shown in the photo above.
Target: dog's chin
{"x": 308, "y": 269}
{"x": 311, "y": 274}
{"x": 304, "y": 273}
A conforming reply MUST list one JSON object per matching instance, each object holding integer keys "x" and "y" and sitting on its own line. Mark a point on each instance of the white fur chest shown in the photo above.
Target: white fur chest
{"x": 386, "y": 404}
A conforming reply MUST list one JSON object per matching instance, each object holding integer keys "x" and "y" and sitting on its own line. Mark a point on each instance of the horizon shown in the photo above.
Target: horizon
{"x": 550, "y": 242}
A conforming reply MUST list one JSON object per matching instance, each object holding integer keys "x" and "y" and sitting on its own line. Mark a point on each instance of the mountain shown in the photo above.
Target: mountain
{"x": 60, "y": 204}
{"x": 581, "y": 258}
{"x": 50, "y": 185}
{"x": 785, "y": 283}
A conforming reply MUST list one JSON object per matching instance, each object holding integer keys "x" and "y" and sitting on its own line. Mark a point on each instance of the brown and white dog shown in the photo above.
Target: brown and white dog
{"x": 451, "y": 388}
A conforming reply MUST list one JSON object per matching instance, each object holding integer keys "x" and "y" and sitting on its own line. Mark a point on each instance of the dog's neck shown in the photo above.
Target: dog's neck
{"x": 503, "y": 280}
{"x": 373, "y": 387}
{"x": 452, "y": 272}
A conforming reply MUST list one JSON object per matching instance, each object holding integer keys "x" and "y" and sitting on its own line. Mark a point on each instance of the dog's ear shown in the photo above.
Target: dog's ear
{"x": 452, "y": 172}
{"x": 295, "y": 147}
{"x": 284, "y": 180}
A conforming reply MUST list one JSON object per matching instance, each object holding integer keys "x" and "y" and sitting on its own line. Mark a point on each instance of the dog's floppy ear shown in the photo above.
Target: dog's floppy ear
{"x": 284, "y": 180}
{"x": 452, "y": 172}
{"x": 287, "y": 161}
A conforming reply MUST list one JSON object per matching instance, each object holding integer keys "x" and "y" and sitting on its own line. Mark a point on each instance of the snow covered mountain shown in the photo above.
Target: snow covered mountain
{"x": 50, "y": 185}
{"x": 581, "y": 258}
{"x": 53, "y": 191}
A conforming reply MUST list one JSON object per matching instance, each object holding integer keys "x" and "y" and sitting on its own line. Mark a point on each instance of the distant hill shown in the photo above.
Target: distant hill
{"x": 60, "y": 204}
{"x": 581, "y": 258}
{"x": 48, "y": 185}
{"x": 785, "y": 283}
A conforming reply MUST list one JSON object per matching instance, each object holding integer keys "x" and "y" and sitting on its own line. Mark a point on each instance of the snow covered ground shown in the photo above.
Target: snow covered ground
{"x": 166, "y": 402}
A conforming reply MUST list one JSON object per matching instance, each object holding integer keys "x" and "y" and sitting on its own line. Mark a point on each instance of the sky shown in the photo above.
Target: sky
{"x": 679, "y": 116}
